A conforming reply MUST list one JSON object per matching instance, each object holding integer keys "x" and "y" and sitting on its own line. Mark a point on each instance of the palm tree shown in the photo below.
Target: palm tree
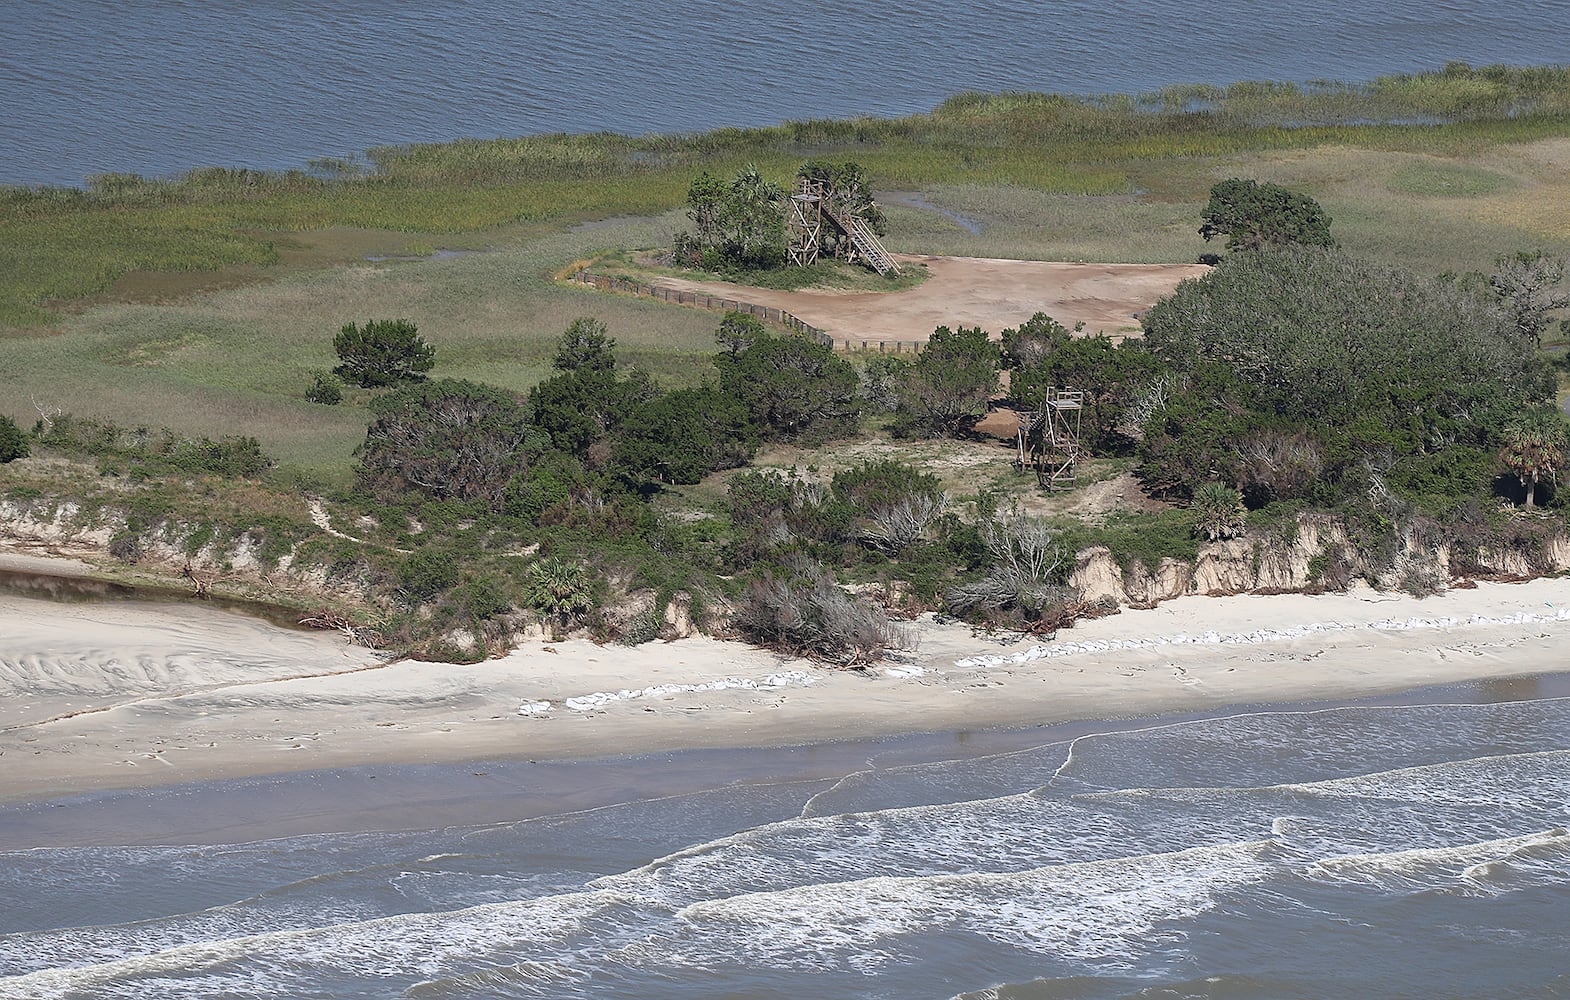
{"x": 1219, "y": 512}
{"x": 1534, "y": 446}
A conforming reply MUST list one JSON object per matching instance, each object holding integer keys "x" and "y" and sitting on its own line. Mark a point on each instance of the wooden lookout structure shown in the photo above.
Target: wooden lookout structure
{"x": 1049, "y": 438}
{"x": 810, "y": 208}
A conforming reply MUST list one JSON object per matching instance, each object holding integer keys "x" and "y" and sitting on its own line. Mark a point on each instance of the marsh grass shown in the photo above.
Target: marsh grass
{"x": 58, "y": 245}
{"x": 1044, "y": 177}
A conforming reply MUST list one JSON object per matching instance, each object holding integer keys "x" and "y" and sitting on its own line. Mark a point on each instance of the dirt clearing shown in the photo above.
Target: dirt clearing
{"x": 972, "y": 291}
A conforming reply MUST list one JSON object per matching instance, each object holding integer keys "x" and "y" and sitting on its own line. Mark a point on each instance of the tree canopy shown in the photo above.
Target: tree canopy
{"x": 947, "y": 388}
{"x": 793, "y": 388}
{"x": 736, "y": 224}
{"x": 1310, "y": 359}
{"x": 13, "y": 441}
{"x": 382, "y": 352}
{"x": 1253, "y": 215}
{"x": 448, "y": 439}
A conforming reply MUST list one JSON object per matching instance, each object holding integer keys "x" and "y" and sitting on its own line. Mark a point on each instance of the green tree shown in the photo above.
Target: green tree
{"x": 449, "y": 439}
{"x": 847, "y": 185}
{"x": 739, "y": 331}
{"x": 325, "y": 389}
{"x": 737, "y": 224}
{"x": 585, "y": 346}
{"x": 382, "y": 352}
{"x": 792, "y": 388}
{"x": 1529, "y": 286}
{"x": 1534, "y": 446}
{"x": 13, "y": 441}
{"x": 1044, "y": 355}
{"x": 1030, "y": 344}
{"x": 947, "y": 388}
{"x": 587, "y": 400}
{"x": 706, "y": 198}
{"x": 1362, "y": 359}
{"x": 754, "y": 220}
{"x": 1253, "y": 215}
{"x": 682, "y": 436}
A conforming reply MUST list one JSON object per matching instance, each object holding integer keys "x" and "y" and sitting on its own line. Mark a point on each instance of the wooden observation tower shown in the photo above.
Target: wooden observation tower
{"x": 810, "y": 207}
{"x": 1049, "y": 438}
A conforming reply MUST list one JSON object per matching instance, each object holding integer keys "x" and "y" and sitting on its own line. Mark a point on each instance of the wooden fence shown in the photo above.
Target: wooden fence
{"x": 769, "y": 314}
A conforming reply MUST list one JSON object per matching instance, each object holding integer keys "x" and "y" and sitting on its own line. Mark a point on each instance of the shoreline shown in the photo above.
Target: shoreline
{"x": 123, "y": 695}
{"x": 399, "y": 798}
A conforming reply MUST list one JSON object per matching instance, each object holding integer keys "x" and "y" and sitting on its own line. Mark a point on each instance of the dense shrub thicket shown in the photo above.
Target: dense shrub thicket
{"x": 1301, "y": 365}
{"x": 1288, "y": 378}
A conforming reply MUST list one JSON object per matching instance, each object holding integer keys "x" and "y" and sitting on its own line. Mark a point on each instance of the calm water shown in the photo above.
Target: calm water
{"x": 1391, "y": 851}
{"x": 159, "y": 86}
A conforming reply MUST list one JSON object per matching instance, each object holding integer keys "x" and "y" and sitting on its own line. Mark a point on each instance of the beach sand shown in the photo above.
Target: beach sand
{"x": 116, "y": 695}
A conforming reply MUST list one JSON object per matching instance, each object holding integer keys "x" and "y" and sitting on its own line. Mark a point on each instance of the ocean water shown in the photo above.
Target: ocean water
{"x": 161, "y": 86}
{"x": 1399, "y": 850}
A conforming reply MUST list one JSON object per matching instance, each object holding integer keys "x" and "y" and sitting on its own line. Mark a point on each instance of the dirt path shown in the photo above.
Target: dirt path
{"x": 973, "y": 291}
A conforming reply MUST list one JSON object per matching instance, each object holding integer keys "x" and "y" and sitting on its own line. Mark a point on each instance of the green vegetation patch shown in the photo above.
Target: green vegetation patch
{"x": 1445, "y": 180}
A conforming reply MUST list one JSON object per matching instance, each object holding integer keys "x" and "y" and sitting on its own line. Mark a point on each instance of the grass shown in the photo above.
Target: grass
{"x": 205, "y": 303}
{"x": 825, "y": 273}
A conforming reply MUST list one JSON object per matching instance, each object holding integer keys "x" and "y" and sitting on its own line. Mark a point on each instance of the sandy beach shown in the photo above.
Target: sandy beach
{"x": 113, "y": 695}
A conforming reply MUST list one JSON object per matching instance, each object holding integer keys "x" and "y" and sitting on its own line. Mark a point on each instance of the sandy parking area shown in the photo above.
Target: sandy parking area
{"x": 990, "y": 293}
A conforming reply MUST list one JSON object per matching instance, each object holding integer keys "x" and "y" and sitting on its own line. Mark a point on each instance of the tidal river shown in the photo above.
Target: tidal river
{"x": 1413, "y": 849}
{"x": 161, "y": 86}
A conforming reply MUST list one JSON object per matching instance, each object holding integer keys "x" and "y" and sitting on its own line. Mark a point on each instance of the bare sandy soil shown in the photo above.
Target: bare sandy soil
{"x": 973, "y": 291}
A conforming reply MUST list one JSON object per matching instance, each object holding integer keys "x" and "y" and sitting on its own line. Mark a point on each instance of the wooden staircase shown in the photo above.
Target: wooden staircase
{"x": 862, "y": 238}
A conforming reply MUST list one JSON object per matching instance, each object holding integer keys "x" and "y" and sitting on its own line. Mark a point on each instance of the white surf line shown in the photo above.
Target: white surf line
{"x": 1258, "y": 636}
{"x": 600, "y": 699}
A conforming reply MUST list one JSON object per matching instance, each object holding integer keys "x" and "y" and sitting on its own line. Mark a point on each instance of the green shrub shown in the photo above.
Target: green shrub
{"x": 427, "y": 573}
{"x": 13, "y": 441}
{"x": 482, "y": 598}
{"x": 325, "y": 389}
{"x": 561, "y": 590}
{"x": 448, "y": 439}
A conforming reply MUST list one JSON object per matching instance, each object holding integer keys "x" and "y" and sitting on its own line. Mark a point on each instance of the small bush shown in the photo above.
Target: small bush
{"x": 126, "y": 547}
{"x": 428, "y": 573}
{"x": 482, "y": 598}
{"x": 804, "y": 612}
{"x": 13, "y": 441}
{"x": 561, "y": 590}
{"x": 325, "y": 389}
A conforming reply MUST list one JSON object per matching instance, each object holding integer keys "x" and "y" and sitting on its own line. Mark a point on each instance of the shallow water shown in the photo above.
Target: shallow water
{"x": 160, "y": 86}
{"x": 1378, "y": 850}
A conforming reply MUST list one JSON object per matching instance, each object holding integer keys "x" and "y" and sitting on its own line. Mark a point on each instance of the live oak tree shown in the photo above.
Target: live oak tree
{"x": 946, "y": 389}
{"x": 448, "y": 439}
{"x": 1312, "y": 358}
{"x": 13, "y": 441}
{"x": 1253, "y": 215}
{"x": 793, "y": 388}
{"x": 1530, "y": 285}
